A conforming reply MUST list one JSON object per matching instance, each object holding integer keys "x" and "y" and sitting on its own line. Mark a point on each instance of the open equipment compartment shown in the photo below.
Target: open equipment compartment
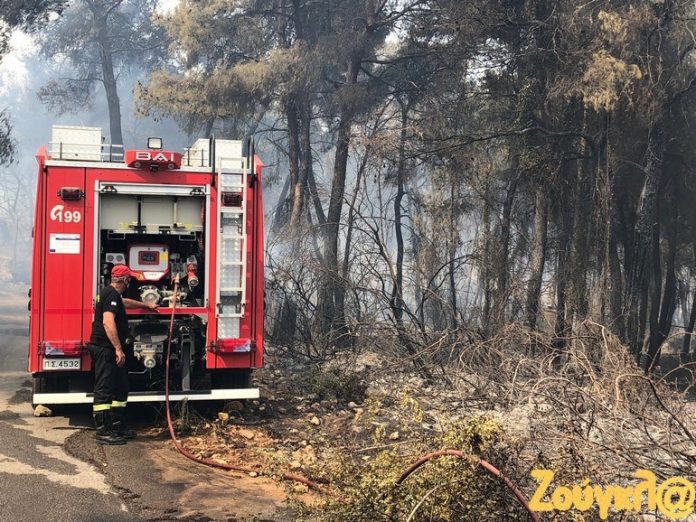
{"x": 159, "y": 231}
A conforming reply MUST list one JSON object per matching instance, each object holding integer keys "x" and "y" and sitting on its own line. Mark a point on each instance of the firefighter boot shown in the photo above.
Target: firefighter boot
{"x": 119, "y": 425}
{"x": 105, "y": 434}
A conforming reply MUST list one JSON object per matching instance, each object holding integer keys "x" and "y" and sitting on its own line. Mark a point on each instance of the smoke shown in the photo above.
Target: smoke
{"x": 22, "y": 72}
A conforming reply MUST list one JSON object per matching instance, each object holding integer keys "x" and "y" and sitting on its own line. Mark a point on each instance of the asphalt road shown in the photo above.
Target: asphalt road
{"x": 52, "y": 470}
{"x": 38, "y": 479}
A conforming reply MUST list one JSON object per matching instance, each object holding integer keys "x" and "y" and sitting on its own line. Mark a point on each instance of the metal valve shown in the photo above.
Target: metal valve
{"x": 149, "y": 361}
{"x": 149, "y": 294}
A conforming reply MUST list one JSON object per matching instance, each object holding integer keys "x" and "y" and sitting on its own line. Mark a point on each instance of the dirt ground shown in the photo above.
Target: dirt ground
{"x": 287, "y": 430}
{"x": 157, "y": 483}
{"x": 284, "y": 431}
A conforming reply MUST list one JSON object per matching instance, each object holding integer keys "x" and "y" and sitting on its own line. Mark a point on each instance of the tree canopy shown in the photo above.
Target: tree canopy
{"x": 460, "y": 165}
{"x": 97, "y": 41}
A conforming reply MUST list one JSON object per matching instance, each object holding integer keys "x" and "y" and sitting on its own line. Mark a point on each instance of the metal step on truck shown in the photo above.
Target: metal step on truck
{"x": 195, "y": 215}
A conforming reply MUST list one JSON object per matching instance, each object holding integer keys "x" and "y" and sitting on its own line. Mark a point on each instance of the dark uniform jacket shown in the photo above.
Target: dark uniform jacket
{"x": 109, "y": 300}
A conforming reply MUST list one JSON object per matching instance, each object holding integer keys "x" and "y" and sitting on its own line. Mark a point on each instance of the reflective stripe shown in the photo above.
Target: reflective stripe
{"x": 101, "y": 407}
{"x": 118, "y": 404}
{"x": 203, "y": 395}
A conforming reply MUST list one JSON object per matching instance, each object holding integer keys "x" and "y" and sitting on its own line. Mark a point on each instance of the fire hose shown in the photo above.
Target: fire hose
{"x": 296, "y": 478}
{"x": 177, "y": 444}
{"x": 490, "y": 468}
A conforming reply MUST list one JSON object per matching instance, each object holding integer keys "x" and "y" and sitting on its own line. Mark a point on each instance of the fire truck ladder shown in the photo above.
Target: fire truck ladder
{"x": 233, "y": 176}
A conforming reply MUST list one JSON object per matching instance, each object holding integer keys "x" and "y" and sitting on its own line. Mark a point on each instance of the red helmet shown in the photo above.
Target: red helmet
{"x": 121, "y": 271}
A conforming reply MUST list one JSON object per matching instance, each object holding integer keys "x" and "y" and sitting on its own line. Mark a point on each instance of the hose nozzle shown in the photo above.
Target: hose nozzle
{"x": 191, "y": 275}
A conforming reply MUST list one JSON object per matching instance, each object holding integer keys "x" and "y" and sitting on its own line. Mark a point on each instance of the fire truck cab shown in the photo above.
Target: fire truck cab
{"x": 195, "y": 215}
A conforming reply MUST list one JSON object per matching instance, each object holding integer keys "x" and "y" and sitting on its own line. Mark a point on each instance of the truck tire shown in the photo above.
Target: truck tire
{"x": 226, "y": 379}
{"x": 42, "y": 383}
{"x": 39, "y": 384}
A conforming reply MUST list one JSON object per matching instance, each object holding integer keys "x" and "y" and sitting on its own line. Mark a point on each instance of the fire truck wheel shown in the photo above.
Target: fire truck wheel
{"x": 40, "y": 384}
{"x": 224, "y": 379}
{"x": 47, "y": 384}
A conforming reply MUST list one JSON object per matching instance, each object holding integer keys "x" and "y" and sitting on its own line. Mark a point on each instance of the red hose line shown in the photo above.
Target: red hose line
{"x": 484, "y": 464}
{"x": 296, "y": 478}
{"x": 177, "y": 444}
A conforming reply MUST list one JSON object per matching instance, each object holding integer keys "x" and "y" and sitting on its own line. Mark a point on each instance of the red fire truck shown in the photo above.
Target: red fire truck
{"x": 196, "y": 216}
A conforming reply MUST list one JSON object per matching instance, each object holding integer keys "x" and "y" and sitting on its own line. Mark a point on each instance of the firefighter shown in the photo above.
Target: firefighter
{"x": 109, "y": 334}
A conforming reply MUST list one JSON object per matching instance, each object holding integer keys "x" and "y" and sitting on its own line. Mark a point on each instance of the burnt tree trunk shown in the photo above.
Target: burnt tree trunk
{"x": 396, "y": 300}
{"x": 284, "y": 329}
{"x": 486, "y": 260}
{"x": 563, "y": 257}
{"x": 615, "y": 288}
{"x": 312, "y": 185}
{"x": 101, "y": 23}
{"x": 669, "y": 295}
{"x": 639, "y": 269}
{"x": 331, "y": 301}
{"x": 689, "y": 330}
{"x": 538, "y": 256}
{"x": 502, "y": 263}
{"x": 580, "y": 248}
{"x": 281, "y": 210}
{"x": 296, "y": 192}
{"x": 301, "y": 135}
{"x": 208, "y": 128}
{"x": 452, "y": 253}
{"x": 653, "y": 339}
{"x": 560, "y": 329}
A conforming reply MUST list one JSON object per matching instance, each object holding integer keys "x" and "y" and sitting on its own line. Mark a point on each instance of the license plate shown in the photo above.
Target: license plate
{"x": 62, "y": 364}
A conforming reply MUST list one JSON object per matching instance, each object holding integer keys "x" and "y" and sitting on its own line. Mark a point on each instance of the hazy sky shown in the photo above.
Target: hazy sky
{"x": 13, "y": 71}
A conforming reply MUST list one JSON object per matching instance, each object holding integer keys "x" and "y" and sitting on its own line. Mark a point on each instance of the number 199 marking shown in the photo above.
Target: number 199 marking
{"x": 58, "y": 213}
